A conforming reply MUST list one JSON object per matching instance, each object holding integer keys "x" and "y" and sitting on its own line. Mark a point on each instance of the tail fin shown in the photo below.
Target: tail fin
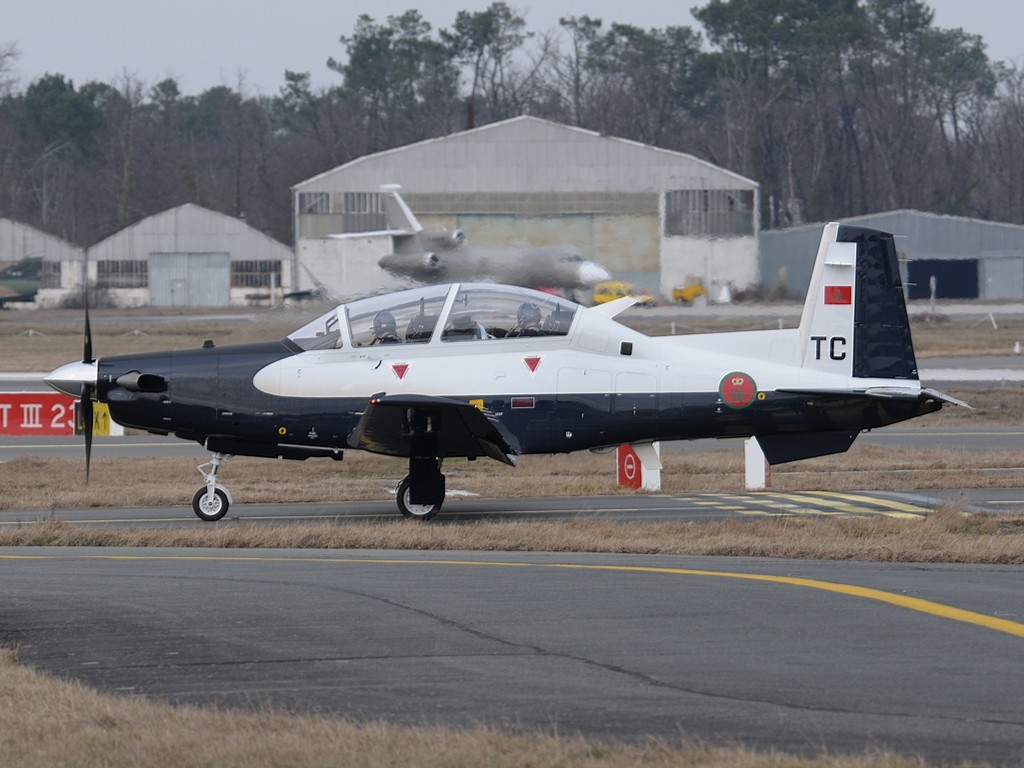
{"x": 400, "y": 219}
{"x": 854, "y": 320}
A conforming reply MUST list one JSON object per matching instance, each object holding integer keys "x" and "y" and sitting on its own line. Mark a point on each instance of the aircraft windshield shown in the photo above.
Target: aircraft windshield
{"x": 322, "y": 333}
{"x": 505, "y": 312}
{"x": 408, "y": 316}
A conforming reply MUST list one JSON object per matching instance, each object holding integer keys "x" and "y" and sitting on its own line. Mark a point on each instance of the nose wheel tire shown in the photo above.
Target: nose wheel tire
{"x": 414, "y": 511}
{"x": 210, "y": 507}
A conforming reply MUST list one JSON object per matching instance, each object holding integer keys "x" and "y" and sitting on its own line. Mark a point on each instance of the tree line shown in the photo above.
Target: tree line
{"x": 836, "y": 107}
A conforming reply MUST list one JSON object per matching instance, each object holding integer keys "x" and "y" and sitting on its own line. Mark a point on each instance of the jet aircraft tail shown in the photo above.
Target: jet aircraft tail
{"x": 854, "y": 320}
{"x": 400, "y": 218}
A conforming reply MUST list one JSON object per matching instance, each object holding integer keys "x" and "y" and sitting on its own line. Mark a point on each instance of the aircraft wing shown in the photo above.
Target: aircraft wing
{"x": 407, "y": 425}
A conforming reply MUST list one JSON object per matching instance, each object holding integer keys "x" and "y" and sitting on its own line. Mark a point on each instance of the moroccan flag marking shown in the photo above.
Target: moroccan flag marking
{"x": 838, "y": 294}
{"x": 737, "y": 389}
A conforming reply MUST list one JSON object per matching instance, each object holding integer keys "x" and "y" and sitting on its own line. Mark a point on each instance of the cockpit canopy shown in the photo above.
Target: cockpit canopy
{"x": 445, "y": 313}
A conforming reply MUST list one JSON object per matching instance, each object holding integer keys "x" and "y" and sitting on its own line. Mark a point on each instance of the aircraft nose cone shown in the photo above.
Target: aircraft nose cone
{"x": 70, "y": 378}
{"x": 591, "y": 273}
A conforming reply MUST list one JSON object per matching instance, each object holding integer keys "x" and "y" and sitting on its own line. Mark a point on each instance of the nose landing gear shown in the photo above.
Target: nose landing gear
{"x": 212, "y": 501}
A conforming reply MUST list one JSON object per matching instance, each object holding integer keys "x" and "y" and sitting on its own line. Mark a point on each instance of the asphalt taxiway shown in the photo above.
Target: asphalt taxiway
{"x": 772, "y": 654}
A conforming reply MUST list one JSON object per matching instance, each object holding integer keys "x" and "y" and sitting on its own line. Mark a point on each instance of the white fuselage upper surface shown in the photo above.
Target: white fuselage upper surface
{"x": 595, "y": 355}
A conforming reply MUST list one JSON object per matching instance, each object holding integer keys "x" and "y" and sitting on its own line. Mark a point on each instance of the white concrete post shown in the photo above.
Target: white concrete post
{"x": 758, "y": 472}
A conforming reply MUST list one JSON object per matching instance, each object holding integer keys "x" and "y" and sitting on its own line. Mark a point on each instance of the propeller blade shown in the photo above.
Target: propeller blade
{"x": 85, "y": 402}
{"x": 87, "y": 344}
{"x": 85, "y": 410}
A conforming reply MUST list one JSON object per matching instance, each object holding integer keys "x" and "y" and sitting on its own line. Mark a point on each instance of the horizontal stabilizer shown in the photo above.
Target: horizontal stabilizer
{"x": 612, "y": 308}
{"x": 942, "y": 397}
{"x": 891, "y": 393}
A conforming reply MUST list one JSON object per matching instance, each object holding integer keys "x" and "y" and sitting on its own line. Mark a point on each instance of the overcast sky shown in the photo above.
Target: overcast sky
{"x": 205, "y": 43}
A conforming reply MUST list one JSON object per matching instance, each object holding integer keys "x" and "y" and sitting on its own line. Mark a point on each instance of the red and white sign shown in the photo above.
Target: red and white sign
{"x": 630, "y": 473}
{"x": 639, "y": 466}
{"x": 36, "y": 413}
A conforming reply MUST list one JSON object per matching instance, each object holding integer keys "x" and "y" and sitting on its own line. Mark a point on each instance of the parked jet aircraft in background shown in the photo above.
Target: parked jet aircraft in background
{"x": 20, "y": 281}
{"x": 471, "y": 370}
{"x": 443, "y": 257}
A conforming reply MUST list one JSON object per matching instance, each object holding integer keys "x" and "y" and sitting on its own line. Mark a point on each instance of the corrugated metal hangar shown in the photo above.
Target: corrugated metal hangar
{"x": 187, "y": 256}
{"x": 19, "y": 242}
{"x": 657, "y": 218}
{"x": 969, "y": 258}
{"x": 648, "y": 215}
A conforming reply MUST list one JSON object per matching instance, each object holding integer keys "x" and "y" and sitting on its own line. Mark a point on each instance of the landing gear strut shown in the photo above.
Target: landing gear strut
{"x": 212, "y": 501}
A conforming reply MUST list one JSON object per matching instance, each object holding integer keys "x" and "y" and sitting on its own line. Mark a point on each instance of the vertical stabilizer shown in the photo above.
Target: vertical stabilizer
{"x": 854, "y": 321}
{"x": 400, "y": 218}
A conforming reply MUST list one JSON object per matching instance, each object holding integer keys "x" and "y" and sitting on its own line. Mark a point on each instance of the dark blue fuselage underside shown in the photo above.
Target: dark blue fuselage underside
{"x": 210, "y": 398}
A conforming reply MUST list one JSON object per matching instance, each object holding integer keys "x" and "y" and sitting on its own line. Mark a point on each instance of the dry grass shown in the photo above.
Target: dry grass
{"x": 102, "y": 731}
{"x": 946, "y": 536}
{"x": 40, "y": 341}
{"x": 954, "y": 337}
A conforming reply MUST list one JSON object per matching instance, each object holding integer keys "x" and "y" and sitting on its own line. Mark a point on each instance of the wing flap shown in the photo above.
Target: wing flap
{"x": 425, "y": 425}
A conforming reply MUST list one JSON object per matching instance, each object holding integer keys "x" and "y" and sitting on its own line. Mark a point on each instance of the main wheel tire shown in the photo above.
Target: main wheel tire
{"x": 410, "y": 510}
{"x": 210, "y": 508}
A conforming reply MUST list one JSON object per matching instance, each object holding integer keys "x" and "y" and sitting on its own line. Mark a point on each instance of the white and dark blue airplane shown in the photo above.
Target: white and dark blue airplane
{"x": 483, "y": 370}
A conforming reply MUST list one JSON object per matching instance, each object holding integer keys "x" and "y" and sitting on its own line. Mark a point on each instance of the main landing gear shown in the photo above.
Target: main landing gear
{"x": 421, "y": 492}
{"x": 212, "y": 501}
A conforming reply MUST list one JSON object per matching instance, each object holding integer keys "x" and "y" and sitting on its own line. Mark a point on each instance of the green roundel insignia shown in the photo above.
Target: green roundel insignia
{"x": 737, "y": 389}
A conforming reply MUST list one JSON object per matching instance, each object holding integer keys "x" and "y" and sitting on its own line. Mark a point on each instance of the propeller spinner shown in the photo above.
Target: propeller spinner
{"x": 79, "y": 380}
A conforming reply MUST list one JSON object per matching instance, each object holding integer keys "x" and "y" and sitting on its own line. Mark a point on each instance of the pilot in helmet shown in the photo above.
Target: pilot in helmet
{"x": 384, "y": 328}
{"x": 527, "y": 320}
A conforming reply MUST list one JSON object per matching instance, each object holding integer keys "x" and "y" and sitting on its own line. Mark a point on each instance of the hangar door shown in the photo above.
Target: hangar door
{"x": 189, "y": 279}
{"x": 1002, "y": 278}
{"x": 954, "y": 278}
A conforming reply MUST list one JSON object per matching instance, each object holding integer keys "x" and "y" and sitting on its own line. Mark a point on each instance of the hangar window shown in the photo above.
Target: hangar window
{"x": 363, "y": 212}
{"x": 122, "y": 274}
{"x": 264, "y": 273}
{"x": 709, "y": 212}
{"x": 50, "y": 277}
{"x": 314, "y": 202}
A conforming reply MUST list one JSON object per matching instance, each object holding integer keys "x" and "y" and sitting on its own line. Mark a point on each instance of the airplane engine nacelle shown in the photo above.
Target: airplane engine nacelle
{"x": 418, "y": 266}
{"x": 134, "y": 381}
{"x": 446, "y": 239}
